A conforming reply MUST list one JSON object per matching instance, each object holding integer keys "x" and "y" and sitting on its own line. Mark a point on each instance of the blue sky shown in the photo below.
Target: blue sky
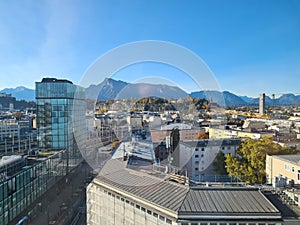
{"x": 250, "y": 46}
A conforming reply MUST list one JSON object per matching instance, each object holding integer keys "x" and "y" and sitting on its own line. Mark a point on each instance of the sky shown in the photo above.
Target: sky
{"x": 250, "y": 46}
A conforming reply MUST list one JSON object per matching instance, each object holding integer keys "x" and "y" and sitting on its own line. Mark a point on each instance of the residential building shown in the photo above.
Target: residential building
{"x": 119, "y": 195}
{"x": 221, "y": 133}
{"x": 282, "y": 170}
{"x": 61, "y": 117}
{"x": 7, "y": 102}
{"x": 195, "y": 157}
{"x": 135, "y": 122}
{"x": 186, "y": 132}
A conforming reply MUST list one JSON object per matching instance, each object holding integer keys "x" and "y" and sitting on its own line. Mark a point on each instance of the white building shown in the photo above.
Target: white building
{"x": 197, "y": 156}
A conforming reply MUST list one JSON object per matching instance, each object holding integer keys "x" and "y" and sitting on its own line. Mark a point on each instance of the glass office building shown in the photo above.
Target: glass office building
{"x": 61, "y": 114}
{"x": 21, "y": 191}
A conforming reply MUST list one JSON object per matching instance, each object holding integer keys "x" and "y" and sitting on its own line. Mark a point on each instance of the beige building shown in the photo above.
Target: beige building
{"x": 283, "y": 169}
{"x": 220, "y": 133}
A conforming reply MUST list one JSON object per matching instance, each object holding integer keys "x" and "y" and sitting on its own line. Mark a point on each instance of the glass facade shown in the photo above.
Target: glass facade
{"x": 21, "y": 190}
{"x": 61, "y": 111}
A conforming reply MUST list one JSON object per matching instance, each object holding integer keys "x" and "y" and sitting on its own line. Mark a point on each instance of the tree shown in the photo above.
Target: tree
{"x": 250, "y": 162}
{"x": 201, "y": 135}
{"x": 175, "y": 137}
{"x": 18, "y": 115}
{"x": 219, "y": 163}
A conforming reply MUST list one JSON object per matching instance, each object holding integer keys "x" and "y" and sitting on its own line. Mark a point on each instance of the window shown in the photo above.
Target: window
{"x": 196, "y": 156}
{"x": 161, "y": 217}
{"x": 137, "y": 206}
{"x": 196, "y": 169}
{"x": 143, "y": 209}
{"x": 168, "y": 221}
{"x": 293, "y": 169}
{"x": 202, "y": 149}
{"x": 202, "y": 156}
{"x": 287, "y": 167}
{"x": 155, "y": 214}
{"x": 196, "y": 162}
{"x": 196, "y": 149}
{"x": 149, "y": 212}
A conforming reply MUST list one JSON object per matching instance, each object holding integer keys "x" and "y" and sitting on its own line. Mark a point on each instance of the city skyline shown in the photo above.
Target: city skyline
{"x": 249, "y": 42}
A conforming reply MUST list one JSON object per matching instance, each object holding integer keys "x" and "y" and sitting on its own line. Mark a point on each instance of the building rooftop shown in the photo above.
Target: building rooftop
{"x": 55, "y": 80}
{"x": 213, "y": 142}
{"x": 227, "y": 202}
{"x": 187, "y": 202}
{"x": 295, "y": 158}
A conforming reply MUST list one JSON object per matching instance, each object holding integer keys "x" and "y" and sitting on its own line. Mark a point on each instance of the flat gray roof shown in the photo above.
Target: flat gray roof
{"x": 187, "y": 202}
{"x": 227, "y": 202}
{"x": 154, "y": 190}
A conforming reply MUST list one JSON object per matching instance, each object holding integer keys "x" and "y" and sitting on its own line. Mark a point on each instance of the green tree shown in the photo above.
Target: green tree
{"x": 250, "y": 160}
{"x": 219, "y": 163}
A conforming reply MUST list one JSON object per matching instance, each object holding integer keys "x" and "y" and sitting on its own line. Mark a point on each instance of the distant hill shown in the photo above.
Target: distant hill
{"x": 233, "y": 100}
{"x": 20, "y": 93}
{"x": 112, "y": 89}
{"x": 285, "y": 99}
{"x": 106, "y": 90}
{"x": 224, "y": 98}
{"x": 246, "y": 99}
{"x": 288, "y": 99}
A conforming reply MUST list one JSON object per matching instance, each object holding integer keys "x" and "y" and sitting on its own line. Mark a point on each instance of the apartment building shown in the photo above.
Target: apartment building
{"x": 282, "y": 170}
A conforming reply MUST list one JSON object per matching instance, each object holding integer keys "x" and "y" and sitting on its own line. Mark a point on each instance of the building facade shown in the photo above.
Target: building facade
{"x": 195, "y": 157}
{"x": 220, "y": 133}
{"x": 124, "y": 196}
{"x": 60, "y": 117}
{"x": 282, "y": 170}
{"x": 20, "y": 191}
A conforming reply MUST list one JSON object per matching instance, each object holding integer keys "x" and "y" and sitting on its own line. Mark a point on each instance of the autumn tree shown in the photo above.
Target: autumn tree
{"x": 250, "y": 160}
{"x": 201, "y": 136}
{"x": 18, "y": 115}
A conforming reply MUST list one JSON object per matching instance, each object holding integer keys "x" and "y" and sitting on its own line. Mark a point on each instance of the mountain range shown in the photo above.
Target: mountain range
{"x": 117, "y": 89}
{"x": 20, "y": 93}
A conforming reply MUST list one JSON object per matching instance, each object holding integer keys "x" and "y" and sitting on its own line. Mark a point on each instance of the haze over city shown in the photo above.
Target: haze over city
{"x": 242, "y": 42}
